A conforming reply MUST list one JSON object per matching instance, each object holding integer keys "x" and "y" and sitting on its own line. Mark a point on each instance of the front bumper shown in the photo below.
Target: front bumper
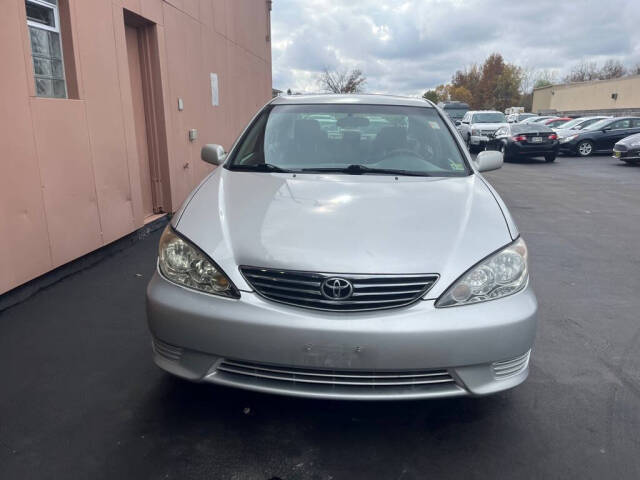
{"x": 569, "y": 147}
{"x": 627, "y": 155}
{"x": 473, "y": 350}
{"x": 480, "y": 140}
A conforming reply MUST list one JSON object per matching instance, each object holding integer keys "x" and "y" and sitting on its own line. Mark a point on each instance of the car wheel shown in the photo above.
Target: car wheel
{"x": 503, "y": 150}
{"x": 550, "y": 158}
{"x": 585, "y": 148}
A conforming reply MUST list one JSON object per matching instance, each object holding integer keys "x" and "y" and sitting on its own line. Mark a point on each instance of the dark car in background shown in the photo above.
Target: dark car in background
{"x": 628, "y": 149}
{"x": 600, "y": 136}
{"x": 454, "y": 109}
{"x": 525, "y": 140}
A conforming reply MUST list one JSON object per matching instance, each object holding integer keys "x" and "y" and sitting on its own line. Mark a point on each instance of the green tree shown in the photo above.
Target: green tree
{"x": 460, "y": 94}
{"x": 469, "y": 79}
{"x": 541, "y": 82}
{"x": 506, "y": 91}
{"x": 431, "y": 95}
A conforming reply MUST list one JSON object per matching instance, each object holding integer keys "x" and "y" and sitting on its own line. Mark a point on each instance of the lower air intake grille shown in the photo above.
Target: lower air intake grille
{"x": 243, "y": 372}
{"x": 338, "y": 292}
{"x": 509, "y": 368}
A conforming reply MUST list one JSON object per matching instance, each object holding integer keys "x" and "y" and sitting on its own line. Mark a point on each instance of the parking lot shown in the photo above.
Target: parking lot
{"x": 81, "y": 397}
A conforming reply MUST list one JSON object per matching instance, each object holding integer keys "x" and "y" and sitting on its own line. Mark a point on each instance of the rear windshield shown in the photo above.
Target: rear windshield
{"x": 489, "y": 117}
{"x": 363, "y": 138}
{"x": 528, "y": 128}
{"x": 455, "y": 113}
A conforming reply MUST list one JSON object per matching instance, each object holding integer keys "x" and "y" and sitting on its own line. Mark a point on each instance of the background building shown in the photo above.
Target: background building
{"x": 104, "y": 106}
{"x": 619, "y": 96}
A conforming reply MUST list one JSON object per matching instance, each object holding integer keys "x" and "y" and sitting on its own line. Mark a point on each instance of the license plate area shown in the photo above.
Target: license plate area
{"x": 616, "y": 154}
{"x": 535, "y": 139}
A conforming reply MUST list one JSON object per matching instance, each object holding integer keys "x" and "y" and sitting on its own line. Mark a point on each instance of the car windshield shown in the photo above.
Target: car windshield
{"x": 351, "y": 139}
{"x": 598, "y": 125}
{"x": 557, "y": 123}
{"x": 488, "y": 117}
{"x": 455, "y": 113}
{"x": 572, "y": 123}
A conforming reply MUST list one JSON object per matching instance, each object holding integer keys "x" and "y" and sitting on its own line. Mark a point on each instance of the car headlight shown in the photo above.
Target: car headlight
{"x": 502, "y": 273}
{"x": 183, "y": 263}
{"x": 569, "y": 138}
{"x": 475, "y": 132}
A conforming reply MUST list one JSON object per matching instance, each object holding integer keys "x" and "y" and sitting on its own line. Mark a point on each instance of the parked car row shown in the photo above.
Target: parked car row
{"x": 546, "y": 135}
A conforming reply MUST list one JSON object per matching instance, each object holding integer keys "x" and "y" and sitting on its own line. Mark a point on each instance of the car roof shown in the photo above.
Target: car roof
{"x": 484, "y": 111}
{"x": 351, "y": 99}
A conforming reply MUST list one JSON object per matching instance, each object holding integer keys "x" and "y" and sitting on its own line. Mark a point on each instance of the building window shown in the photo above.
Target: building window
{"x": 43, "y": 20}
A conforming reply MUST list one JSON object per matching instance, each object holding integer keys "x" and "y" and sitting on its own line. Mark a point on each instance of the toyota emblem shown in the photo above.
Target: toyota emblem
{"x": 336, "y": 288}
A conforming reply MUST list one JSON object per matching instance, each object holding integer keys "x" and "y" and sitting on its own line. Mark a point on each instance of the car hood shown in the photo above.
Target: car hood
{"x": 344, "y": 223}
{"x": 627, "y": 141}
{"x": 489, "y": 126}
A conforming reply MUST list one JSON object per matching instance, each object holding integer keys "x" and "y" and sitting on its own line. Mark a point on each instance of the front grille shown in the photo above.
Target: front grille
{"x": 235, "y": 371}
{"x": 509, "y": 368}
{"x": 369, "y": 292}
{"x": 487, "y": 133}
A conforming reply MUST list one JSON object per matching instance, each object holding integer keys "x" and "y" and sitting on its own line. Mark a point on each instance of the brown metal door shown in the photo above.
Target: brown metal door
{"x": 137, "y": 95}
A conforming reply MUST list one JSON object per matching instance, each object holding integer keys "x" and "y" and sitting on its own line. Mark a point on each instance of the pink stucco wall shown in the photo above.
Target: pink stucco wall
{"x": 69, "y": 172}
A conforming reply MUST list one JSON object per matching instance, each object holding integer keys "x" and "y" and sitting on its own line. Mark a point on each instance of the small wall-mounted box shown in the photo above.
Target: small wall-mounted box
{"x": 193, "y": 135}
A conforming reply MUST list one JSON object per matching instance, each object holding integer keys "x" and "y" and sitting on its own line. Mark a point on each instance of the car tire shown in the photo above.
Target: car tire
{"x": 503, "y": 150}
{"x": 468, "y": 142}
{"x": 584, "y": 148}
{"x": 550, "y": 158}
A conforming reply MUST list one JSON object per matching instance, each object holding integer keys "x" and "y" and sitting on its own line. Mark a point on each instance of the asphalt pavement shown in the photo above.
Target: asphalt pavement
{"x": 81, "y": 398}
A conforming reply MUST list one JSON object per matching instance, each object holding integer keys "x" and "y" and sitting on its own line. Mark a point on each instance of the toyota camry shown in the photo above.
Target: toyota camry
{"x": 361, "y": 257}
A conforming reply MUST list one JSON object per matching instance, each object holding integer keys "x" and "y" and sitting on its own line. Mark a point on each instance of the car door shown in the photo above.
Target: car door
{"x": 612, "y": 133}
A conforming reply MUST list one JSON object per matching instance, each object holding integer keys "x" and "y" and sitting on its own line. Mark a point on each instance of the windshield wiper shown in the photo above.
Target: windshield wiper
{"x": 259, "y": 167}
{"x": 357, "y": 169}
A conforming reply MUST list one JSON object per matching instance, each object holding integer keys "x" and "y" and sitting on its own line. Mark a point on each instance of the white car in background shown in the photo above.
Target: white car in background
{"x": 478, "y": 127}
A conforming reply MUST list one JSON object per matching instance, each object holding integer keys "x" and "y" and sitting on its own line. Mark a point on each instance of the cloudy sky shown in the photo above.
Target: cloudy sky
{"x": 406, "y": 47}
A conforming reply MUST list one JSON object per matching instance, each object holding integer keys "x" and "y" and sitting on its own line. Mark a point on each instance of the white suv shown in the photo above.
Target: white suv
{"x": 478, "y": 127}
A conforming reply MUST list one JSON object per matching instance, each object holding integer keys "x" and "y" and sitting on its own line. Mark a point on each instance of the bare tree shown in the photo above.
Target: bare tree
{"x": 635, "y": 70}
{"x": 342, "y": 81}
{"x": 583, "y": 72}
{"x": 612, "y": 69}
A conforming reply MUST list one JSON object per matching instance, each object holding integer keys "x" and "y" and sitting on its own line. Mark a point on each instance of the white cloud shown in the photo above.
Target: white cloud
{"x": 408, "y": 46}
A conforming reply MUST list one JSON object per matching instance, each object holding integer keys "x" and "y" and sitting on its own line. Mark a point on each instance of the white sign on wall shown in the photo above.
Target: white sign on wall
{"x": 214, "y": 90}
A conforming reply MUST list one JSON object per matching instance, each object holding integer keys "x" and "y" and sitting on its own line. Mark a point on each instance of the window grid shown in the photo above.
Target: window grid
{"x": 46, "y": 52}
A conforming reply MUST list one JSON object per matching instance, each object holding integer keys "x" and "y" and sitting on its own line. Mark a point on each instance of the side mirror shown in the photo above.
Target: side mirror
{"x": 458, "y": 123}
{"x": 489, "y": 160}
{"x": 606, "y": 129}
{"x": 213, "y": 154}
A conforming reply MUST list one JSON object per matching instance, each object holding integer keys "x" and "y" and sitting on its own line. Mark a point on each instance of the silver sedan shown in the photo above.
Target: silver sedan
{"x": 347, "y": 247}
